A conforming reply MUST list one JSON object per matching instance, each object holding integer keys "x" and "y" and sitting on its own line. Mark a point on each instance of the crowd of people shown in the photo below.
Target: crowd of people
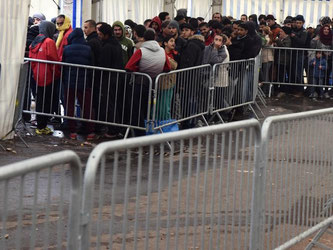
{"x": 161, "y": 45}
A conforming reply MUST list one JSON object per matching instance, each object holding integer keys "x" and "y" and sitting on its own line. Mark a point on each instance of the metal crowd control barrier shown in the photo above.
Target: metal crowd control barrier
{"x": 137, "y": 194}
{"x": 296, "y": 188}
{"x": 234, "y": 84}
{"x": 111, "y": 97}
{"x": 39, "y": 202}
{"x": 181, "y": 95}
{"x": 292, "y": 69}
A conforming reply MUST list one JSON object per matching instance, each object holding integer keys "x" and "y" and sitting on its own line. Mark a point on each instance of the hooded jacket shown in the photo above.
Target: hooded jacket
{"x": 44, "y": 48}
{"x": 157, "y": 20}
{"x": 126, "y": 44}
{"x": 253, "y": 42}
{"x": 64, "y": 32}
{"x": 77, "y": 52}
{"x": 111, "y": 54}
{"x": 192, "y": 54}
{"x": 150, "y": 59}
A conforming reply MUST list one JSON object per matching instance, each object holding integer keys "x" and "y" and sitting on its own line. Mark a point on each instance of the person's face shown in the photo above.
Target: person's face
{"x": 182, "y": 21}
{"x": 60, "y": 21}
{"x": 147, "y": 24}
{"x": 235, "y": 27}
{"x": 282, "y": 34}
{"x": 218, "y": 42}
{"x": 204, "y": 31}
{"x": 293, "y": 24}
{"x": 37, "y": 21}
{"x": 318, "y": 55}
{"x": 118, "y": 32}
{"x": 261, "y": 27}
{"x": 154, "y": 25}
{"x": 217, "y": 17}
{"x": 87, "y": 29}
{"x": 288, "y": 25}
{"x": 218, "y": 31}
{"x": 172, "y": 31}
{"x": 241, "y": 31}
{"x": 270, "y": 22}
{"x": 170, "y": 44}
{"x": 167, "y": 18}
{"x": 97, "y": 29}
{"x": 299, "y": 24}
{"x": 243, "y": 18}
{"x": 186, "y": 33}
{"x": 101, "y": 36}
{"x": 326, "y": 31}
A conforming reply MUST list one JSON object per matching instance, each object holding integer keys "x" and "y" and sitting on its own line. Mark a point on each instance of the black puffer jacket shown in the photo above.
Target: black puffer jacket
{"x": 253, "y": 42}
{"x": 300, "y": 38}
{"x": 95, "y": 45}
{"x": 192, "y": 54}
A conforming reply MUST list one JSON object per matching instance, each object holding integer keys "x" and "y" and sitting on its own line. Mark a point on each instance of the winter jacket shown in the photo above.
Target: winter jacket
{"x": 317, "y": 44}
{"x": 126, "y": 44}
{"x": 180, "y": 44}
{"x": 77, "y": 52}
{"x": 319, "y": 73}
{"x": 253, "y": 43}
{"x": 33, "y": 31}
{"x": 192, "y": 54}
{"x": 44, "y": 48}
{"x": 299, "y": 40}
{"x": 283, "y": 56}
{"x": 64, "y": 42}
{"x": 213, "y": 56}
{"x": 95, "y": 45}
{"x": 111, "y": 54}
{"x": 236, "y": 49}
{"x": 150, "y": 59}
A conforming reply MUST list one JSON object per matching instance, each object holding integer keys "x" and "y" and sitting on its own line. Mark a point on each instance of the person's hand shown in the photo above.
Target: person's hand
{"x": 320, "y": 67}
{"x": 316, "y": 38}
{"x": 314, "y": 63}
{"x": 292, "y": 35}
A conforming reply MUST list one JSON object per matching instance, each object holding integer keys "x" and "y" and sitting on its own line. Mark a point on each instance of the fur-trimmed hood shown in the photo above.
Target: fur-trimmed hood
{"x": 198, "y": 37}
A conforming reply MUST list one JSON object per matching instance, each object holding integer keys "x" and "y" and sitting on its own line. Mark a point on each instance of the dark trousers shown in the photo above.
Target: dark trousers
{"x": 84, "y": 99}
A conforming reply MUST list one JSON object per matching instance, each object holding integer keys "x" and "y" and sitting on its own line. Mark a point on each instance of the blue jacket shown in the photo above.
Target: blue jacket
{"x": 77, "y": 52}
{"x": 318, "y": 73}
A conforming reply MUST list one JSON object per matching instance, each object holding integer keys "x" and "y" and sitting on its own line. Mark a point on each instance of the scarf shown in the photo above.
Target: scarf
{"x": 325, "y": 39}
{"x": 62, "y": 29}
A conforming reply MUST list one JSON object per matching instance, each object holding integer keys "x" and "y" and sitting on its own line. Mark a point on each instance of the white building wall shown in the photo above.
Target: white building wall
{"x": 47, "y": 7}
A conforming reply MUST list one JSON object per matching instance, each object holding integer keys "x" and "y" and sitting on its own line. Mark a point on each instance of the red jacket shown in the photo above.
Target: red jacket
{"x": 44, "y": 49}
{"x": 209, "y": 39}
{"x": 64, "y": 42}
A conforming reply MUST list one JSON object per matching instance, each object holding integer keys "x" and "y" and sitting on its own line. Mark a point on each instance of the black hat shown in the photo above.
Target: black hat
{"x": 270, "y": 17}
{"x": 300, "y": 18}
{"x": 186, "y": 25}
{"x": 287, "y": 20}
{"x": 286, "y": 30}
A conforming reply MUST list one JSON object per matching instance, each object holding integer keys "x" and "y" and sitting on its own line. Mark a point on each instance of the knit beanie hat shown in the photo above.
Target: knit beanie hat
{"x": 40, "y": 16}
{"x": 174, "y": 24}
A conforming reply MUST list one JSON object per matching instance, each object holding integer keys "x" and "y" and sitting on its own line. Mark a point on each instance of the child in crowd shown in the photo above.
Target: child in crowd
{"x": 319, "y": 65}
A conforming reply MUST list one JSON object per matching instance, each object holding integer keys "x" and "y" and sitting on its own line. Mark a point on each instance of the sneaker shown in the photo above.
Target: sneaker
{"x": 73, "y": 136}
{"x": 327, "y": 95}
{"x": 91, "y": 136}
{"x": 44, "y": 131}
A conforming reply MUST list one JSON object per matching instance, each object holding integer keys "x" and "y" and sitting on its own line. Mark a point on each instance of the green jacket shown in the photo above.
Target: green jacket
{"x": 126, "y": 44}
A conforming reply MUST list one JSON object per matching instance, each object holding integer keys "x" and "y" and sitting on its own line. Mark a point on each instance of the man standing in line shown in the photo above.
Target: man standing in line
{"x": 65, "y": 28}
{"x": 126, "y": 44}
